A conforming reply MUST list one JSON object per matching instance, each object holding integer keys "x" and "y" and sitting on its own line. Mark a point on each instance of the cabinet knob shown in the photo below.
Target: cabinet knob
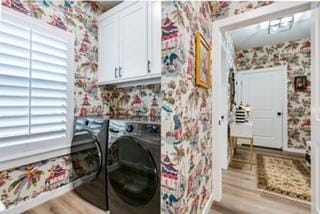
{"x": 115, "y": 72}
{"x": 120, "y": 75}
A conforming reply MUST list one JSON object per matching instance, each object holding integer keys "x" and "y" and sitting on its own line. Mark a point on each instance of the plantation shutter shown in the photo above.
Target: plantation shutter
{"x": 33, "y": 85}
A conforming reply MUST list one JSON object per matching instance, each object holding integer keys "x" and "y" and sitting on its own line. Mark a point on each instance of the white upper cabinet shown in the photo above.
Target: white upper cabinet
{"x": 133, "y": 41}
{"x": 109, "y": 40}
{"x": 130, "y": 43}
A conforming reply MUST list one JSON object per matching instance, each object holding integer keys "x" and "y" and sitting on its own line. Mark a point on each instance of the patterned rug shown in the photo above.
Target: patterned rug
{"x": 285, "y": 177}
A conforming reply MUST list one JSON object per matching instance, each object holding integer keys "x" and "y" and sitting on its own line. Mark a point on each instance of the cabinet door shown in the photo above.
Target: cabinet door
{"x": 154, "y": 38}
{"x": 133, "y": 41}
{"x": 109, "y": 49}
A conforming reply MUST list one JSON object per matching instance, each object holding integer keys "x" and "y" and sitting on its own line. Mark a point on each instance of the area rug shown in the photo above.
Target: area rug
{"x": 284, "y": 177}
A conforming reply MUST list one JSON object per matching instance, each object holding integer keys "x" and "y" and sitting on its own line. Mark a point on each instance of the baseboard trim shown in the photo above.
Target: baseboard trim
{"x": 44, "y": 197}
{"x": 292, "y": 150}
{"x": 209, "y": 203}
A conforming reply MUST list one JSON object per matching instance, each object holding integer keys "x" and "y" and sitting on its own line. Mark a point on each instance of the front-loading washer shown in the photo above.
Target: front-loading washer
{"x": 133, "y": 165}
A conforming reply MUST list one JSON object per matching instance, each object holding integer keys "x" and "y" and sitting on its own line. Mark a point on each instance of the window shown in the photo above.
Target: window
{"x": 36, "y": 87}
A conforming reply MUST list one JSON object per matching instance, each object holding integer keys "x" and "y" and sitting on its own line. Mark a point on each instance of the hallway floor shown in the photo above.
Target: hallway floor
{"x": 240, "y": 194}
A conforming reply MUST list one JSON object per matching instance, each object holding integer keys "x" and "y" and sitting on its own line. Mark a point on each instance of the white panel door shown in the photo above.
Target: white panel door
{"x": 263, "y": 92}
{"x": 315, "y": 109}
{"x": 133, "y": 41}
{"x": 109, "y": 49}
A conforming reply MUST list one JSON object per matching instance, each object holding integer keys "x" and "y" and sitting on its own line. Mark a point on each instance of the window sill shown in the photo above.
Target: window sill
{"x": 21, "y": 159}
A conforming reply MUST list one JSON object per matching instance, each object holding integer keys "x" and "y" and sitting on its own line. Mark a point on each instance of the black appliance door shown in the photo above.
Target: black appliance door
{"x": 132, "y": 172}
{"x": 85, "y": 142}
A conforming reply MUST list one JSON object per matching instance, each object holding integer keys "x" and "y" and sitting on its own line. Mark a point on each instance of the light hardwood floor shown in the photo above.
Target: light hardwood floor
{"x": 240, "y": 196}
{"x": 69, "y": 203}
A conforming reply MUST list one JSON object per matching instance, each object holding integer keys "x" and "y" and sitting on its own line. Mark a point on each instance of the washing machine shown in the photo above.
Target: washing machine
{"x": 89, "y": 149}
{"x": 133, "y": 165}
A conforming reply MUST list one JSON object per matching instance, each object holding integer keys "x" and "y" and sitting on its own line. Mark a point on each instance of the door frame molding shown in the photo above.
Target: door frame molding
{"x": 272, "y": 11}
{"x": 284, "y": 85}
{"x": 315, "y": 111}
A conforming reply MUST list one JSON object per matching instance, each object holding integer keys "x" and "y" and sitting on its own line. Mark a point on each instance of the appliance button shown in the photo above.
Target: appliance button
{"x": 130, "y": 128}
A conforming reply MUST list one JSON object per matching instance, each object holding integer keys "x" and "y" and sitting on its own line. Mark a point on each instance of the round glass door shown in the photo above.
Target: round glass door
{"x": 86, "y": 155}
{"x": 132, "y": 171}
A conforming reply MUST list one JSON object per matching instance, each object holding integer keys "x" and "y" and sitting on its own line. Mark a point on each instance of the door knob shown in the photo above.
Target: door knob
{"x": 279, "y": 113}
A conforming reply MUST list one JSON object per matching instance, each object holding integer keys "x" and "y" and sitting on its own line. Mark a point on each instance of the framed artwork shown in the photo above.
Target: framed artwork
{"x": 203, "y": 62}
{"x": 300, "y": 83}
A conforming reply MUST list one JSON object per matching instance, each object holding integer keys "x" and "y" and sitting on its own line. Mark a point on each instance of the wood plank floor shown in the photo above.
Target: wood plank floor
{"x": 69, "y": 203}
{"x": 240, "y": 196}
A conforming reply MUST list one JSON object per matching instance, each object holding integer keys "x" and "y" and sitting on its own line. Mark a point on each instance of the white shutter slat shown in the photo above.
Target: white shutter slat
{"x": 48, "y": 93}
{"x": 6, "y": 80}
{"x": 22, "y": 138}
{"x": 58, "y": 102}
{"x": 7, "y": 59}
{"x": 13, "y": 91}
{"x": 48, "y": 111}
{"x": 14, "y": 121}
{"x": 14, "y": 131}
{"x": 43, "y": 66}
{"x": 49, "y": 41}
{"x": 47, "y": 119}
{"x": 12, "y": 70}
{"x": 14, "y": 29}
{"x": 47, "y": 58}
{"x": 14, "y": 111}
{"x": 14, "y": 40}
{"x": 13, "y": 50}
{"x": 50, "y": 85}
{"x": 42, "y": 48}
{"x": 48, "y": 76}
{"x": 14, "y": 101}
{"x": 51, "y": 127}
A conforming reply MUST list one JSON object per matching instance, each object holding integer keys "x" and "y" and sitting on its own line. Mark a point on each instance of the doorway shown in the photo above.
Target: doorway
{"x": 220, "y": 28}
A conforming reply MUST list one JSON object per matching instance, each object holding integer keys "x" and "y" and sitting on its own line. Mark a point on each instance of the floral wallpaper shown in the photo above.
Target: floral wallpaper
{"x": 223, "y": 9}
{"x": 297, "y": 54}
{"x": 186, "y": 138}
{"x": 26, "y": 182}
{"x": 186, "y": 111}
{"x": 137, "y": 100}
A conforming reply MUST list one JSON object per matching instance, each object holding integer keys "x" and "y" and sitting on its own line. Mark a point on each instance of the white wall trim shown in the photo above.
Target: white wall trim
{"x": 44, "y": 197}
{"x": 208, "y": 205}
{"x": 41, "y": 154}
{"x": 216, "y": 93}
{"x": 275, "y": 10}
{"x": 293, "y": 150}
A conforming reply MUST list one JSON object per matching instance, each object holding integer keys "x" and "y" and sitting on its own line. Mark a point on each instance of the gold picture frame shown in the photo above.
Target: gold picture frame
{"x": 203, "y": 62}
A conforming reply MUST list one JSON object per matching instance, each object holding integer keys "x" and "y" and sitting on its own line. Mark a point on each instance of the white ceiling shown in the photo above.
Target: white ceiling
{"x": 257, "y": 35}
{"x": 109, "y": 4}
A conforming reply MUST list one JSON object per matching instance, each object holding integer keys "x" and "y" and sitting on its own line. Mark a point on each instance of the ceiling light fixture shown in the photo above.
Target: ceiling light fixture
{"x": 281, "y": 24}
